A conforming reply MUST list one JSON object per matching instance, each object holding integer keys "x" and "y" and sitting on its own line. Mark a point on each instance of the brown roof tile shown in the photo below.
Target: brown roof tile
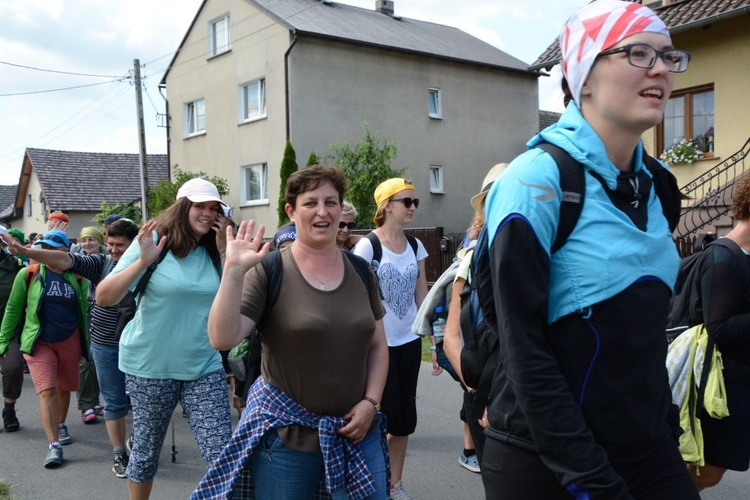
{"x": 74, "y": 180}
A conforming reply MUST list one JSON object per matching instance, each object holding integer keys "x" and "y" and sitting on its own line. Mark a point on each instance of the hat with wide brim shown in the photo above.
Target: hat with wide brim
{"x": 199, "y": 191}
{"x": 494, "y": 173}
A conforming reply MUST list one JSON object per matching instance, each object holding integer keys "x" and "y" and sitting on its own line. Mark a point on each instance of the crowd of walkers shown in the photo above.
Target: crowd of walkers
{"x": 577, "y": 405}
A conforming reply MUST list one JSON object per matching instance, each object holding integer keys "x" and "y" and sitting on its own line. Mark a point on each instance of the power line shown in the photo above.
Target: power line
{"x": 55, "y": 71}
{"x": 64, "y": 88}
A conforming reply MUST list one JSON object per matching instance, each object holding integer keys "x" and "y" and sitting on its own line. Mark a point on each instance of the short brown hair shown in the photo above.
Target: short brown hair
{"x": 741, "y": 199}
{"x": 312, "y": 177}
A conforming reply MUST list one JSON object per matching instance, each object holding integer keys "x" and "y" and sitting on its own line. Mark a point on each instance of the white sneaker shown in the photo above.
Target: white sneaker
{"x": 469, "y": 463}
{"x": 398, "y": 492}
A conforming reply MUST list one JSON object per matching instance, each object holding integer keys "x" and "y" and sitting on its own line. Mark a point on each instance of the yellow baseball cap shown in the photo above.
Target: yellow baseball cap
{"x": 388, "y": 188}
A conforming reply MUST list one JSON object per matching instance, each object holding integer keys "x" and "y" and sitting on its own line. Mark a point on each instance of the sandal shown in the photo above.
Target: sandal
{"x": 88, "y": 416}
{"x": 99, "y": 409}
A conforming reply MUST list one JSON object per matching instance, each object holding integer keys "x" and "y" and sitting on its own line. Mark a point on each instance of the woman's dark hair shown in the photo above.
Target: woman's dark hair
{"x": 123, "y": 227}
{"x": 567, "y": 95}
{"x": 741, "y": 198}
{"x": 312, "y": 177}
{"x": 174, "y": 224}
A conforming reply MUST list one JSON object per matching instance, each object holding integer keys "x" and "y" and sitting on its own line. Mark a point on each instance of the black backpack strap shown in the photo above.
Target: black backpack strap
{"x": 361, "y": 266}
{"x": 573, "y": 186}
{"x": 274, "y": 272}
{"x": 412, "y": 242}
{"x": 377, "y": 247}
{"x": 143, "y": 282}
{"x": 665, "y": 187}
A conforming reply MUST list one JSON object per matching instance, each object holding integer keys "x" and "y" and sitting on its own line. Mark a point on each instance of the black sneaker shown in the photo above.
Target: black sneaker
{"x": 10, "y": 421}
{"x": 120, "y": 465}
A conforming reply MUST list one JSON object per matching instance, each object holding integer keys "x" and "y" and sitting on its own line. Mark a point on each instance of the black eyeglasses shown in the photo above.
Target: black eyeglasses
{"x": 644, "y": 56}
{"x": 350, "y": 225}
{"x": 408, "y": 201}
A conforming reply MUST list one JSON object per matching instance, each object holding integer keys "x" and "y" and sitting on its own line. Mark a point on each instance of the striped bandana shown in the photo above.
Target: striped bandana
{"x": 598, "y": 27}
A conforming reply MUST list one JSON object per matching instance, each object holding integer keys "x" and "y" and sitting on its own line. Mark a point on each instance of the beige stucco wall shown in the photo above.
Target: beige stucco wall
{"x": 488, "y": 115}
{"x": 720, "y": 55}
{"x": 258, "y": 46}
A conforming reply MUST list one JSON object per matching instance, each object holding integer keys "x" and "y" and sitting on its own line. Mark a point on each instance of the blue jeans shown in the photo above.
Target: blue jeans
{"x": 282, "y": 473}
{"x": 111, "y": 380}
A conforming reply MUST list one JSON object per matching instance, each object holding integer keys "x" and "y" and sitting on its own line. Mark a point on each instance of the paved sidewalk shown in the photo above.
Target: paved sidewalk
{"x": 432, "y": 469}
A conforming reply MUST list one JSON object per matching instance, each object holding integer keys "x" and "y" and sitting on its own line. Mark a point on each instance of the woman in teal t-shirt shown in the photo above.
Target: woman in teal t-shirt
{"x": 164, "y": 350}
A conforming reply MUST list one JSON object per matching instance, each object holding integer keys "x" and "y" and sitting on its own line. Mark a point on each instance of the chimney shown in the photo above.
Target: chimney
{"x": 384, "y": 7}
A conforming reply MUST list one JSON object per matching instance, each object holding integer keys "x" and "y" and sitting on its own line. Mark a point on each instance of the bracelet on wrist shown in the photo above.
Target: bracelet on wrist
{"x": 373, "y": 402}
{"x": 433, "y": 348}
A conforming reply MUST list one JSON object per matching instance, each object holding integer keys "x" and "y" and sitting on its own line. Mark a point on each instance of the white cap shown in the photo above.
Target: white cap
{"x": 199, "y": 190}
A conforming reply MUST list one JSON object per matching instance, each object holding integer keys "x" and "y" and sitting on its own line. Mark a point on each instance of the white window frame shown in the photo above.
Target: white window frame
{"x": 43, "y": 204}
{"x": 219, "y": 36}
{"x": 436, "y": 179}
{"x": 245, "y": 200}
{"x": 434, "y": 95}
{"x": 28, "y": 205}
{"x": 256, "y": 90}
{"x": 195, "y": 122}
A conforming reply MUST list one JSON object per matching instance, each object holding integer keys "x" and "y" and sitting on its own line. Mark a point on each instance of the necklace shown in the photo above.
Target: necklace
{"x": 393, "y": 249}
{"x": 322, "y": 283}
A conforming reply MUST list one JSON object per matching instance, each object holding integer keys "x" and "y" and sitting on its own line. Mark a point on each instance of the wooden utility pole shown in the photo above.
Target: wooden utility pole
{"x": 141, "y": 138}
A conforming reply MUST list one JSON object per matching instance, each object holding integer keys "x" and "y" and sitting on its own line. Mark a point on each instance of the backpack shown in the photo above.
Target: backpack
{"x": 9, "y": 268}
{"x": 377, "y": 247}
{"x": 251, "y": 352}
{"x": 479, "y": 355}
{"x": 686, "y": 298}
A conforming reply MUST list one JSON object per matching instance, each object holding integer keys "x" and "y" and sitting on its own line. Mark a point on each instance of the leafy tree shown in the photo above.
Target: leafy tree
{"x": 366, "y": 164}
{"x": 163, "y": 194}
{"x": 312, "y": 159}
{"x": 130, "y": 211}
{"x": 288, "y": 167}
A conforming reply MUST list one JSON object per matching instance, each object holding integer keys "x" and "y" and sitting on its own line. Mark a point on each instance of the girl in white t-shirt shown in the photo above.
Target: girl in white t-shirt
{"x": 403, "y": 285}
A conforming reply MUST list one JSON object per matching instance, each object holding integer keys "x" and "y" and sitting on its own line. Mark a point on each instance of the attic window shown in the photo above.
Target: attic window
{"x": 218, "y": 36}
{"x": 433, "y": 102}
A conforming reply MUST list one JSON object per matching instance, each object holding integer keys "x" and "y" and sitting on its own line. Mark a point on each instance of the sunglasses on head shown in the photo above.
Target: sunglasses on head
{"x": 350, "y": 225}
{"x": 408, "y": 201}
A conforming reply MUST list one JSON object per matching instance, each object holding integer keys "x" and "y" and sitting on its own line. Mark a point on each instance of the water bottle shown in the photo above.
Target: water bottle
{"x": 438, "y": 325}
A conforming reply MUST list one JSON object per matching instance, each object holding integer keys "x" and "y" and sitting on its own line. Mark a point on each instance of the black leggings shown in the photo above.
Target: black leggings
{"x": 512, "y": 473}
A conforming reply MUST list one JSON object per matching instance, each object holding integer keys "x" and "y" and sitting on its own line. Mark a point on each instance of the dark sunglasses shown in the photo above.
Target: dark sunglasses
{"x": 408, "y": 201}
{"x": 350, "y": 225}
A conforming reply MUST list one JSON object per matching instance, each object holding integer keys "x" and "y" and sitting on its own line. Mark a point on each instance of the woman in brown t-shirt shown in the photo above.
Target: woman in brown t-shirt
{"x": 324, "y": 347}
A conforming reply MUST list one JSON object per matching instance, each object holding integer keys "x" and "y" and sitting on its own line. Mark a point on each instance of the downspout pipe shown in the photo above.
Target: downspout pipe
{"x": 286, "y": 85}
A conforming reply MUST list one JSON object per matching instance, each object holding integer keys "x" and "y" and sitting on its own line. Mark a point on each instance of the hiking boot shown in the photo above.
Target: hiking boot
{"x": 54, "y": 457}
{"x": 469, "y": 463}
{"x": 88, "y": 416}
{"x": 10, "y": 422}
{"x": 398, "y": 492}
{"x": 63, "y": 435}
{"x": 120, "y": 465}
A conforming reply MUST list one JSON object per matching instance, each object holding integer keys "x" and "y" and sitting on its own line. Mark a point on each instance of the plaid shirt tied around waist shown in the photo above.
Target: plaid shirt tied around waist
{"x": 269, "y": 408}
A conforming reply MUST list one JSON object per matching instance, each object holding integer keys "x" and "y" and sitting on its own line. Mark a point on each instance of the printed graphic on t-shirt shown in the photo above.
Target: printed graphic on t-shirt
{"x": 398, "y": 288}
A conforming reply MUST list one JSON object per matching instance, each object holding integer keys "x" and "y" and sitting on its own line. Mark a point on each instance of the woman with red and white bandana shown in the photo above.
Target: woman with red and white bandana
{"x": 580, "y": 402}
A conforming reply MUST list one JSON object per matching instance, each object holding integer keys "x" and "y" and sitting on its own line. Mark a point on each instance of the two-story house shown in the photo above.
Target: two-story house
{"x": 250, "y": 74}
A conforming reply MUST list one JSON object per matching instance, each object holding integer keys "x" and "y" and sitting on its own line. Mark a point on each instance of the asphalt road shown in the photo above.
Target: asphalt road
{"x": 431, "y": 470}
